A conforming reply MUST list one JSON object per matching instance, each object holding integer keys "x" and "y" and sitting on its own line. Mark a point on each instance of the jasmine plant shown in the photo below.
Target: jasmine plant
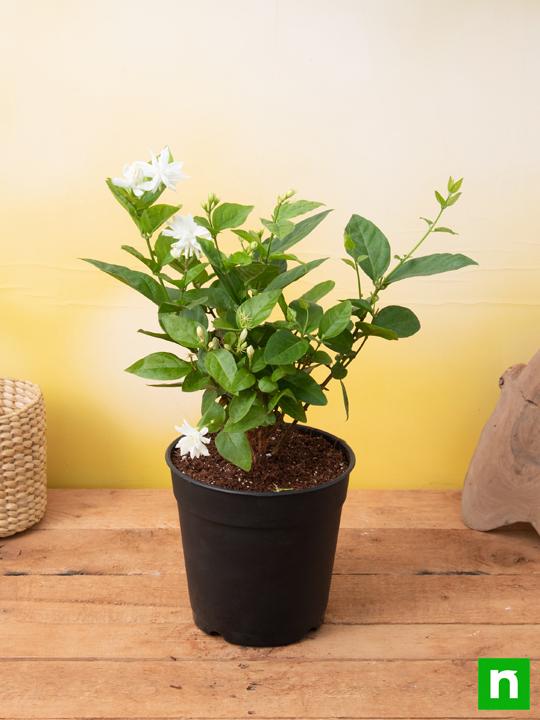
{"x": 253, "y": 346}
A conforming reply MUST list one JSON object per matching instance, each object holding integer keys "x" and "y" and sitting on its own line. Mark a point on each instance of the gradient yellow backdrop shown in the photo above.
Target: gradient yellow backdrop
{"x": 367, "y": 105}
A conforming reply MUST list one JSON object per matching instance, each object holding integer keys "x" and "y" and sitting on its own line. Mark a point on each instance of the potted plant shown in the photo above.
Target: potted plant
{"x": 259, "y": 493}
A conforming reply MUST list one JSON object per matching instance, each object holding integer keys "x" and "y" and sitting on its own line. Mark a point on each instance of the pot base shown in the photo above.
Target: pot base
{"x": 236, "y": 638}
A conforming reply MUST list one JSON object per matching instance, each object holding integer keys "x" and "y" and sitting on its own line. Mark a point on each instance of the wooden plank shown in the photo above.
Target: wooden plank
{"x": 139, "y": 509}
{"x": 356, "y": 599}
{"x": 183, "y": 641}
{"x": 189, "y": 689}
{"x": 381, "y": 551}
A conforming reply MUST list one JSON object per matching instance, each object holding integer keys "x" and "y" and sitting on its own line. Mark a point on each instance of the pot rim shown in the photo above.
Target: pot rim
{"x": 270, "y": 493}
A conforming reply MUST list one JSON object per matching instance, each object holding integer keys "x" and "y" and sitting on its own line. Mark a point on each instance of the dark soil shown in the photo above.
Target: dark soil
{"x": 301, "y": 461}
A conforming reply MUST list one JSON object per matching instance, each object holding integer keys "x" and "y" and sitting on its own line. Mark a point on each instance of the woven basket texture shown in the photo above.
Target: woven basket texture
{"x": 23, "y": 473}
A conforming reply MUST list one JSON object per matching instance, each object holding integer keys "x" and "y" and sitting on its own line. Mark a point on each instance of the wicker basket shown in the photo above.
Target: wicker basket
{"x": 23, "y": 478}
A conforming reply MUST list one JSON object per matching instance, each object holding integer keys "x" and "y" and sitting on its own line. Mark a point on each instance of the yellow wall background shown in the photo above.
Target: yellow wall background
{"x": 367, "y": 105}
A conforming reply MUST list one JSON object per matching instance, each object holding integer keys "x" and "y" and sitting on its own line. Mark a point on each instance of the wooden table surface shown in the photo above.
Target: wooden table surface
{"x": 95, "y": 619}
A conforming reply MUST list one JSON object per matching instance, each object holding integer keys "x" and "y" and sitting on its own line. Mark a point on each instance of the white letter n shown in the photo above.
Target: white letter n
{"x": 495, "y": 677}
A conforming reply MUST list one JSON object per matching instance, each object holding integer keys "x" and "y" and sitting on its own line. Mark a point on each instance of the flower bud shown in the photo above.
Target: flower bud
{"x": 214, "y": 344}
{"x": 243, "y": 335}
{"x": 250, "y": 352}
{"x": 201, "y": 334}
{"x": 227, "y": 346}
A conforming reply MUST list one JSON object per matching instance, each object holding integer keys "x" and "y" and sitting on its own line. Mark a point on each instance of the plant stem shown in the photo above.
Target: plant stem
{"x": 358, "y": 279}
{"x": 415, "y": 248}
{"x": 154, "y": 260}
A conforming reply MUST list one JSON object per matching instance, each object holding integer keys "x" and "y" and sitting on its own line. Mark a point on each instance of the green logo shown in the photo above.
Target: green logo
{"x": 504, "y": 684}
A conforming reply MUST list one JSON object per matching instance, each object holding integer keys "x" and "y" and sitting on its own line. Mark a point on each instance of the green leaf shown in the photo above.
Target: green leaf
{"x": 209, "y": 397}
{"x": 430, "y": 265}
{"x": 454, "y": 186}
{"x": 153, "y": 217}
{"x": 126, "y": 200}
{"x": 257, "y": 416}
{"x": 239, "y": 258}
{"x": 150, "y": 264}
{"x": 361, "y": 304}
{"x": 240, "y": 405}
{"x": 139, "y": 281}
{"x": 341, "y": 343}
{"x": 290, "y": 276}
{"x": 453, "y": 199}
{"x": 194, "y": 381}
{"x": 160, "y": 366}
{"x": 290, "y": 406}
{"x": 151, "y": 333}
{"x": 345, "y": 398}
{"x": 248, "y": 235}
{"x": 299, "y": 207}
{"x": 242, "y": 380}
{"x": 181, "y": 328}
{"x": 280, "y": 229}
{"x": 267, "y": 385}
{"x": 338, "y": 371}
{"x": 284, "y": 348}
{"x": 258, "y": 363}
{"x": 235, "y": 448}
{"x": 166, "y": 385}
{"x": 399, "y": 319}
{"x": 256, "y": 309}
{"x": 308, "y": 315}
{"x": 213, "y": 418}
{"x": 320, "y": 357}
{"x": 221, "y": 366}
{"x": 371, "y": 329}
{"x": 440, "y": 199}
{"x": 362, "y": 237}
{"x": 335, "y": 320}
{"x": 445, "y": 230}
{"x": 318, "y": 291}
{"x": 230, "y": 215}
{"x": 257, "y": 275}
{"x": 202, "y": 220}
{"x": 281, "y": 371}
{"x": 301, "y": 230}
{"x": 162, "y": 249}
{"x": 305, "y": 388}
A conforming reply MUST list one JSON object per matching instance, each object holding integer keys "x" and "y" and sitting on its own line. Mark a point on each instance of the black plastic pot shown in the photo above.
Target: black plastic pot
{"x": 259, "y": 565}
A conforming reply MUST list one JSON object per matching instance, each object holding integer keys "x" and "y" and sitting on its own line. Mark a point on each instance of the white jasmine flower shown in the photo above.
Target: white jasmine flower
{"x": 193, "y": 443}
{"x": 186, "y": 231}
{"x": 160, "y": 170}
{"x": 133, "y": 177}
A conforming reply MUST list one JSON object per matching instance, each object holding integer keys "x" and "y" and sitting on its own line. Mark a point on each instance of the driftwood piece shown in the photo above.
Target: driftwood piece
{"x": 502, "y": 485}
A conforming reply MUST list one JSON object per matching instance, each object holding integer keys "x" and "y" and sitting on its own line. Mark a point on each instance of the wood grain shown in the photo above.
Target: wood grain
{"x": 383, "y": 551}
{"x": 183, "y": 641}
{"x": 95, "y": 620}
{"x": 364, "y": 599}
{"x": 209, "y": 689}
{"x": 151, "y": 509}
